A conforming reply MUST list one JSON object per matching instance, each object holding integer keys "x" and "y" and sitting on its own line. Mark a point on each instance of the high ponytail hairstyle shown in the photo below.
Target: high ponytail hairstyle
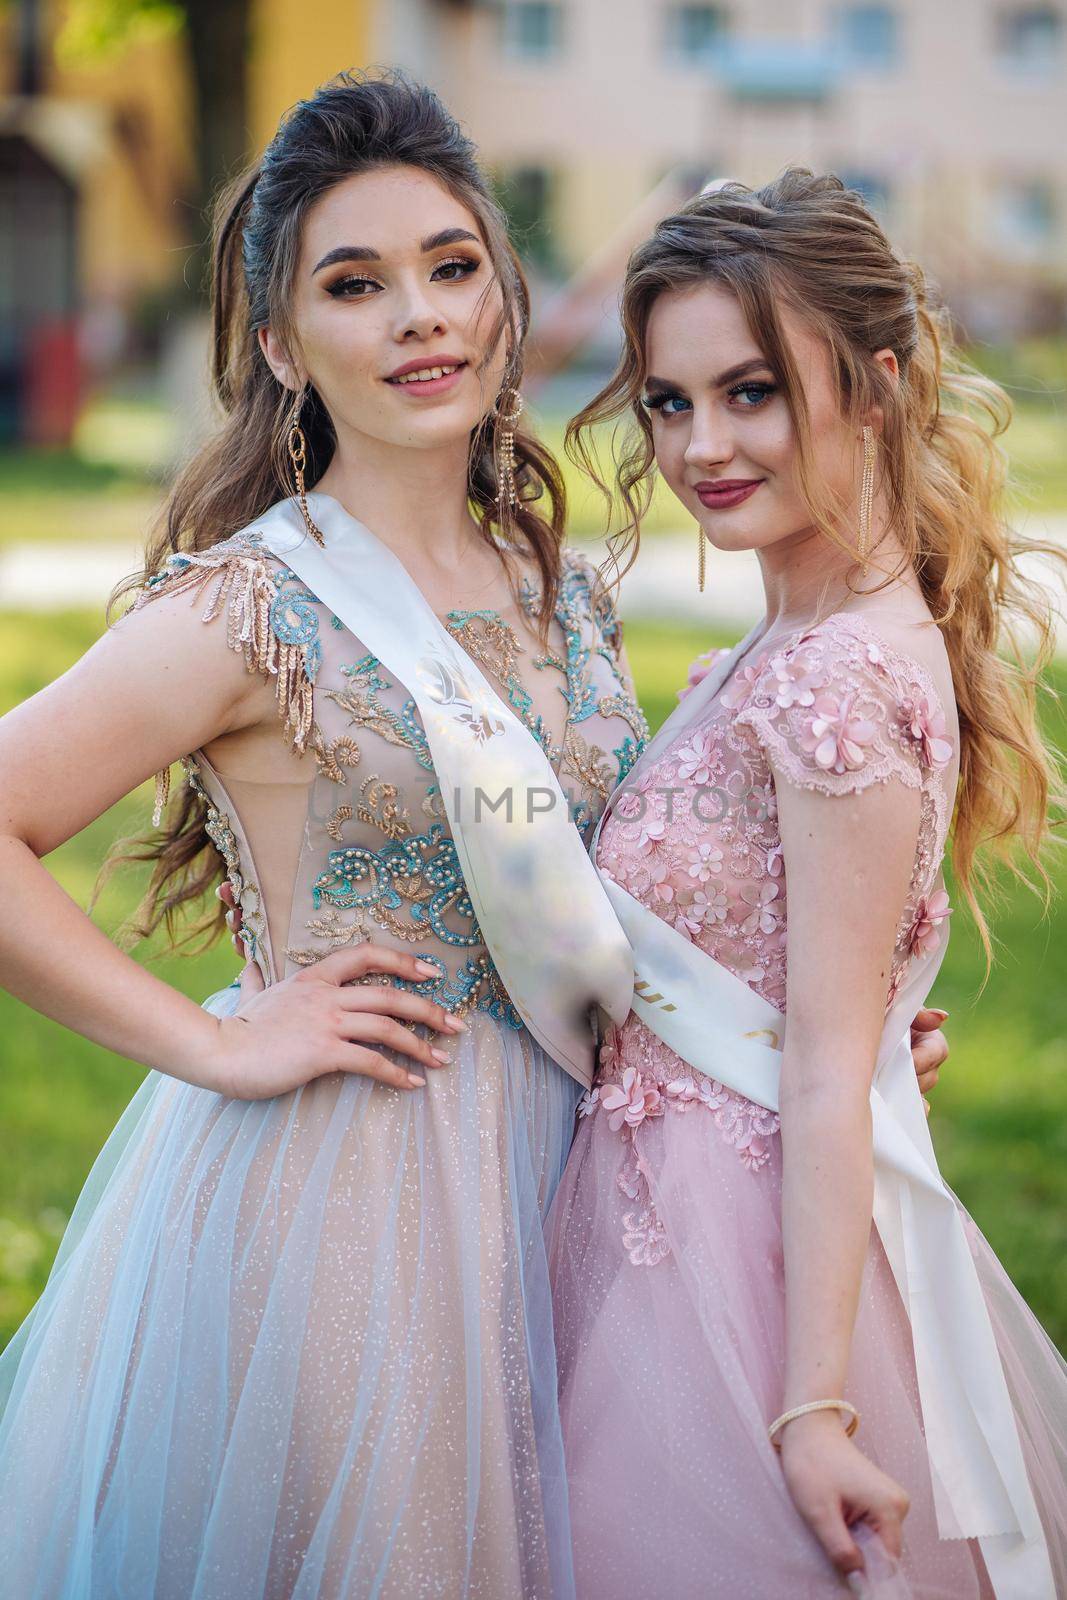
{"x": 809, "y": 243}
{"x": 355, "y": 123}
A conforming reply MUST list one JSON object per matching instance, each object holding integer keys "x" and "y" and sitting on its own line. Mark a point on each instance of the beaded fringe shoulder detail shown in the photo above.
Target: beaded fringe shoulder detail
{"x": 237, "y": 576}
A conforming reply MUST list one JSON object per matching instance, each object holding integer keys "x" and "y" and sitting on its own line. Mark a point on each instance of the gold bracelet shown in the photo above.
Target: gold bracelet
{"x": 814, "y": 1405}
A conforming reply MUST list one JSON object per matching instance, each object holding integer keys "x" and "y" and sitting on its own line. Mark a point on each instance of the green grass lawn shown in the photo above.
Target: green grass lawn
{"x": 1000, "y": 1114}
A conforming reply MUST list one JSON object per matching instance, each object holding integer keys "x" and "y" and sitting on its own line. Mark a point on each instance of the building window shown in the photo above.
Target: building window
{"x": 531, "y": 30}
{"x": 527, "y": 195}
{"x": 1025, "y": 215}
{"x": 874, "y": 189}
{"x": 695, "y": 32}
{"x": 1030, "y": 37}
{"x": 868, "y": 35}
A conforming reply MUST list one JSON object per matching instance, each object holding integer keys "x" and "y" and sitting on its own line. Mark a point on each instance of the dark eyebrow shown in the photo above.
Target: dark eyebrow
{"x": 363, "y": 252}
{"x": 731, "y": 375}
{"x": 743, "y": 370}
{"x": 436, "y": 241}
{"x": 346, "y": 252}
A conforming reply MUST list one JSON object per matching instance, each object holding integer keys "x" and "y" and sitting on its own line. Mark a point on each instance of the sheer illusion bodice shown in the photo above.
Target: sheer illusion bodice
{"x": 347, "y": 838}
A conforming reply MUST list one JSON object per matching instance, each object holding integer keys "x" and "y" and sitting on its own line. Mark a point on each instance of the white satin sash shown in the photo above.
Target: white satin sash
{"x": 547, "y": 924}
{"x": 716, "y": 1023}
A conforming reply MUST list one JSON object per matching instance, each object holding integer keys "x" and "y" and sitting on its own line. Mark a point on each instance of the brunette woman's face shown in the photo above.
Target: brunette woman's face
{"x": 721, "y": 427}
{"x": 394, "y": 301}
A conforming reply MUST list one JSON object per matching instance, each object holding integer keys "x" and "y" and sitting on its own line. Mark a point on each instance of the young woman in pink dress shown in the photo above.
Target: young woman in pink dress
{"x": 714, "y": 1262}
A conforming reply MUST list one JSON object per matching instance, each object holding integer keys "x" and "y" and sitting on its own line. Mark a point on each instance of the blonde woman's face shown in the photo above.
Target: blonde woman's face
{"x": 723, "y": 436}
{"x": 394, "y": 301}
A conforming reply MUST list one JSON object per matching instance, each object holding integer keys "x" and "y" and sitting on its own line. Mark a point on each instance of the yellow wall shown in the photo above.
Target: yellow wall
{"x": 134, "y": 216}
{"x": 296, "y": 47}
{"x": 130, "y": 144}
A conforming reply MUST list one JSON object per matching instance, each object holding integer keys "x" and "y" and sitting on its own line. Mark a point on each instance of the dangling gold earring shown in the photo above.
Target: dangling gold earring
{"x": 509, "y": 408}
{"x": 870, "y": 453}
{"x": 702, "y": 553}
{"x": 298, "y": 456}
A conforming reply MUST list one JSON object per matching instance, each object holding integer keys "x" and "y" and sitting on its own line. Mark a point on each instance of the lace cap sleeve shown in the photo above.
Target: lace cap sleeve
{"x": 834, "y": 712}
{"x": 270, "y": 618}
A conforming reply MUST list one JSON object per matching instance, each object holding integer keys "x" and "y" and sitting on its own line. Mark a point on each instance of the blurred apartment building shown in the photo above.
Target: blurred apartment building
{"x": 951, "y": 115}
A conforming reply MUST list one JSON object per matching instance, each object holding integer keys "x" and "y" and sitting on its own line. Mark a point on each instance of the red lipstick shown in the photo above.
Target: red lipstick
{"x": 722, "y": 494}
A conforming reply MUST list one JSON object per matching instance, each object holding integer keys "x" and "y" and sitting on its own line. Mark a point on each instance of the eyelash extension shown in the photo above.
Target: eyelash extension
{"x": 339, "y": 288}
{"x": 656, "y": 402}
{"x": 460, "y": 261}
{"x": 761, "y": 386}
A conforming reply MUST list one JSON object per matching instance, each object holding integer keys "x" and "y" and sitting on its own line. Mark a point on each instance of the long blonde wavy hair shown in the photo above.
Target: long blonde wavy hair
{"x": 808, "y": 242}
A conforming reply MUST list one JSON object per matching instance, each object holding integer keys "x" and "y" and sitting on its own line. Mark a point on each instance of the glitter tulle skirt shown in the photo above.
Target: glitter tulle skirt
{"x": 670, "y": 1324}
{"x": 301, "y": 1347}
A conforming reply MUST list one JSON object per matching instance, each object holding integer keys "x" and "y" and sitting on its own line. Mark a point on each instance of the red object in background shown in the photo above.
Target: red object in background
{"x": 51, "y": 382}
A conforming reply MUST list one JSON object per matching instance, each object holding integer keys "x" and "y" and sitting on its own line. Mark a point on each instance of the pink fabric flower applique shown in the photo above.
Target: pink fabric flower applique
{"x": 630, "y": 1100}
{"x": 930, "y": 913}
{"x": 796, "y": 683}
{"x": 704, "y": 859}
{"x": 765, "y": 915}
{"x": 743, "y": 683}
{"x": 835, "y": 738}
{"x": 926, "y": 725}
{"x": 696, "y": 760}
{"x": 700, "y": 668}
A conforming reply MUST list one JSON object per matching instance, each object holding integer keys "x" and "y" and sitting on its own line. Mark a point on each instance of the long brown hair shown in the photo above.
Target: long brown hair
{"x": 355, "y": 123}
{"x": 807, "y": 241}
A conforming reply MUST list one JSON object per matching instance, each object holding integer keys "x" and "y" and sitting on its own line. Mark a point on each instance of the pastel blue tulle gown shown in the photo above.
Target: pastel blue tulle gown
{"x": 302, "y": 1347}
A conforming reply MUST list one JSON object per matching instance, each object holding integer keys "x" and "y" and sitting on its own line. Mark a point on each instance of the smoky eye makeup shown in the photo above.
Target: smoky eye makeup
{"x": 458, "y": 267}
{"x": 359, "y": 283}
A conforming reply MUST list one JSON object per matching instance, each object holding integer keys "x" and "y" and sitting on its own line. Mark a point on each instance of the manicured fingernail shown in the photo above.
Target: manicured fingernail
{"x": 426, "y": 969}
{"x": 218, "y": 891}
{"x": 937, "y": 1011}
{"x": 416, "y": 1083}
{"x": 455, "y": 1025}
{"x": 442, "y": 1056}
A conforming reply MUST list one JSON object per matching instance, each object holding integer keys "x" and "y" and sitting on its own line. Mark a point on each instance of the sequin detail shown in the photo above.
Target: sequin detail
{"x": 219, "y": 830}
{"x": 378, "y": 862}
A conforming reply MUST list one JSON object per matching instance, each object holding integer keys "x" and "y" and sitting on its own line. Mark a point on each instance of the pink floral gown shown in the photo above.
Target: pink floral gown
{"x": 665, "y": 1237}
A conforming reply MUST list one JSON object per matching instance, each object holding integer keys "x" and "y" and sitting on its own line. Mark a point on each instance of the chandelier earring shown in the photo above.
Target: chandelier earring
{"x": 297, "y": 447}
{"x": 702, "y": 556}
{"x": 509, "y": 408}
{"x": 870, "y": 456}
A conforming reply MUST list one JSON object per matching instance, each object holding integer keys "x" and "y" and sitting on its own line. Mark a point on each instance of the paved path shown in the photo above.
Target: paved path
{"x": 662, "y": 585}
